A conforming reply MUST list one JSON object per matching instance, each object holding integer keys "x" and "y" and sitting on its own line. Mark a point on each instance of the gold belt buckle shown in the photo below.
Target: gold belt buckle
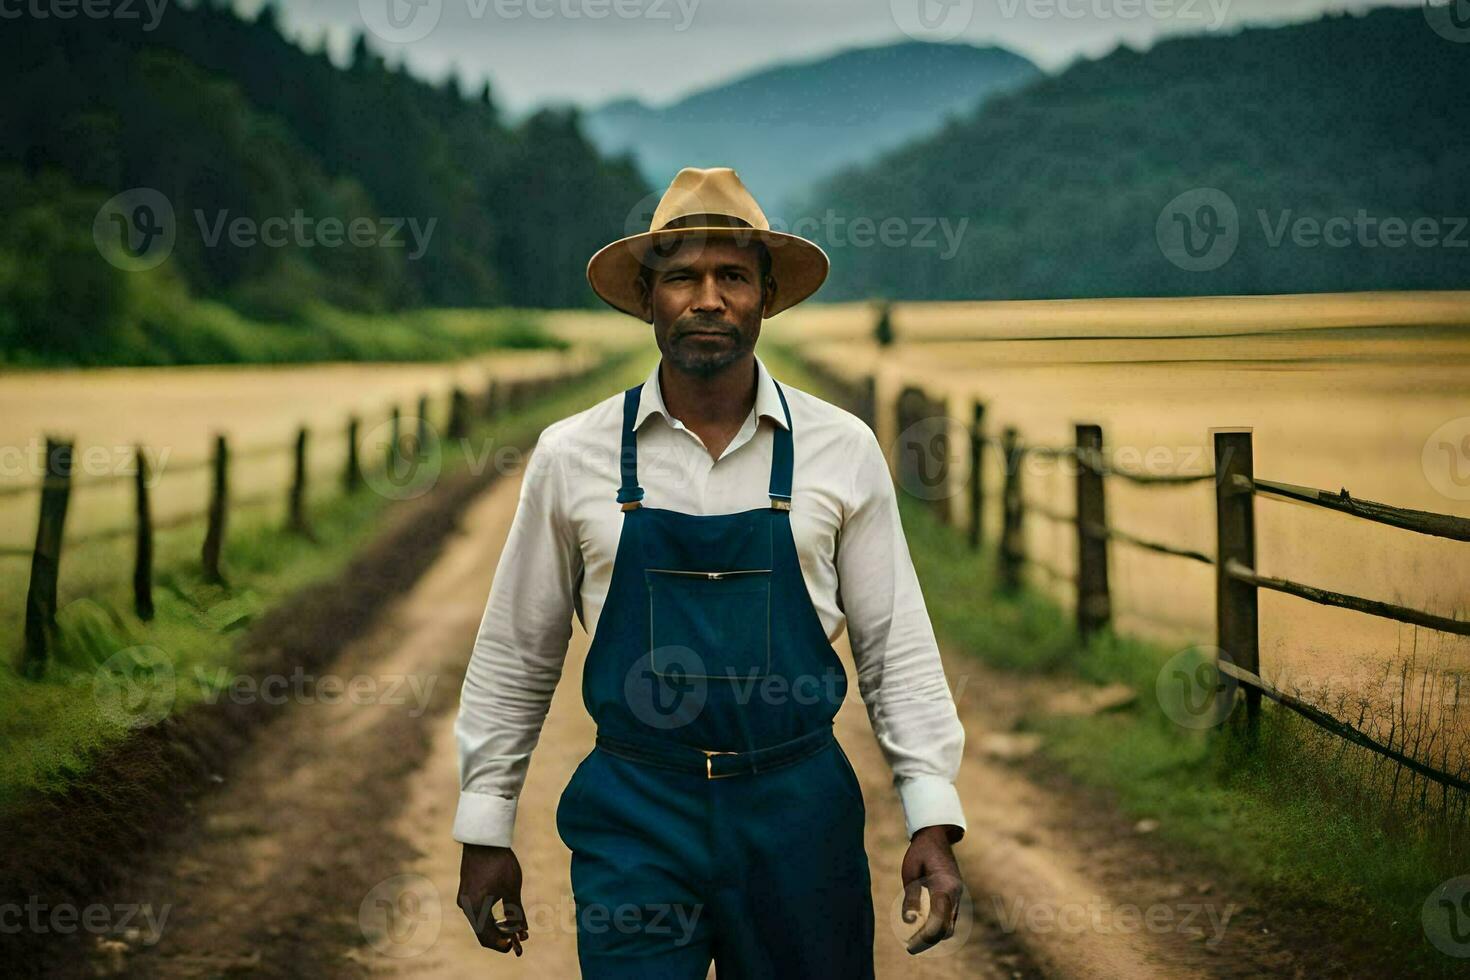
{"x": 709, "y": 773}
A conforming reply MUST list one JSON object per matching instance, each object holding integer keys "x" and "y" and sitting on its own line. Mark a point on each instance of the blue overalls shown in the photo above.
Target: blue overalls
{"x": 716, "y": 817}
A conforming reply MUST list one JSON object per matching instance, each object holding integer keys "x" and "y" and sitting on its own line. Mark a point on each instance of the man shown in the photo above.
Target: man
{"x": 714, "y": 531}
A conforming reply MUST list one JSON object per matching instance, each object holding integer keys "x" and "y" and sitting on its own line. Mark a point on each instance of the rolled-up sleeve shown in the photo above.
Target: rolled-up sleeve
{"x": 900, "y": 674}
{"x": 518, "y": 654}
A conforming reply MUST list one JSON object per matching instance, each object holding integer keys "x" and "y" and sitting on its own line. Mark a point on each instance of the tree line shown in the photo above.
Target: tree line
{"x": 229, "y": 119}
{"x": 1343, "y": 146}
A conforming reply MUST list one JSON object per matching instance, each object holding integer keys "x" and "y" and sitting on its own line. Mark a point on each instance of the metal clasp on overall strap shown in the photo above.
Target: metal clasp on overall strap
{"x": 709, "y": 758}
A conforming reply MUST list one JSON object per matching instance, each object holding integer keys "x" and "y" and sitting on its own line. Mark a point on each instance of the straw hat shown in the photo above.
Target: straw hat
{"x": 706, "y": 204}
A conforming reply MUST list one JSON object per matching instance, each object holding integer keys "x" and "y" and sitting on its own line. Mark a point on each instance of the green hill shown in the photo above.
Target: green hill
{"x": 1064, "y": 188}
{"x": 228, "y": 120}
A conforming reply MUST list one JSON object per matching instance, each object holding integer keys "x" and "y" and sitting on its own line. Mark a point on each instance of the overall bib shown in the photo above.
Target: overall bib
{"x": 716, "y": 817}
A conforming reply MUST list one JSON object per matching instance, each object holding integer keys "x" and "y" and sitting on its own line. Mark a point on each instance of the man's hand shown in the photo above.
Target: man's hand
{"x": 929, "y": 863}
{"x": 488, "y": 875}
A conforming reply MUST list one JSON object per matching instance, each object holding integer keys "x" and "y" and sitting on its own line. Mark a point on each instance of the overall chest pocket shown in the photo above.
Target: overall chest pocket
{"x": 724, "y": 618}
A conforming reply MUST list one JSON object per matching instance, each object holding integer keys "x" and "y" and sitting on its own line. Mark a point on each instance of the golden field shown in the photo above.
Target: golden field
{"x": 1365, "y": 391}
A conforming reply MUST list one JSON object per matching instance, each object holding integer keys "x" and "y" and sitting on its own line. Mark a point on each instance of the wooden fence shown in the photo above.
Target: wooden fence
{"x": 1237, "y": 581}
{"x": 58, "y": 485}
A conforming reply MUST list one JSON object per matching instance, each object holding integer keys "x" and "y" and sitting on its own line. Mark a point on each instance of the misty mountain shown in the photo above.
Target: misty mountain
{"x": 785, "y": 126}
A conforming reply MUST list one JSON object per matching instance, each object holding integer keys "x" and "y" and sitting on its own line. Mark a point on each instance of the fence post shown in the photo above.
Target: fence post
{"x": 395, "y": 441}
{"x": 458, "y": 426}
{"x": 1012, "y": 547}
{"x": 1093, "y": 605}
{"x": 937, "y": 410}
{"x": 40, "y": 628}
{"x": 352, "y": 476}
{"x": 421, "y": 431}
{"x": 143, "y": 552}
{"x": 908, "y": 462}
{"x": 492, "y": 399}
{"x": 214, "y": 536}
{"x": 977, "y": 475}
{"x": 1237, "y": 623}
{"x": 870, "y": 401}
{"x": 297, "y": 520}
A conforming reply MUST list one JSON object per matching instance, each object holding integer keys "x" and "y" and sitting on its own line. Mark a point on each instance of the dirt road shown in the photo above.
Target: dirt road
{"x": 327, "y": 851}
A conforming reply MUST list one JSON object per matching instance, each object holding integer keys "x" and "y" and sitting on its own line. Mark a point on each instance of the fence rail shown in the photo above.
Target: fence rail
{"x": 1371, "y": 607}
{"x": 1424, "y": 522}
{"x": 1338, "y": 727}
{"x": 58, "y": 485}
{"x": 1237, "y": 581}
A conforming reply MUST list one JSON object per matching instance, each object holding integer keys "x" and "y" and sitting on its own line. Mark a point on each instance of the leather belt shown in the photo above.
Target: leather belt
{"x": 713, "y": 763}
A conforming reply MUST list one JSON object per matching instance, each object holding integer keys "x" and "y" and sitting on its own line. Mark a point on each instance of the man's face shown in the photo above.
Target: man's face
{"x": 706, "y": 303}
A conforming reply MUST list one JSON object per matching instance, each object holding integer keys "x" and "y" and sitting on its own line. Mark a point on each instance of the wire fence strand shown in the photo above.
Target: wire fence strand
{"x": 1051, "y": 571}
{"x": 1100, "y": 532}
{"x": 1158, "y": 479}
{"x": 1042, "y": 510}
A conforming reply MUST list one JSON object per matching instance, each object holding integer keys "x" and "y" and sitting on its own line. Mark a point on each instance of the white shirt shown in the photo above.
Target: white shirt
{"x": 559, "y": 556}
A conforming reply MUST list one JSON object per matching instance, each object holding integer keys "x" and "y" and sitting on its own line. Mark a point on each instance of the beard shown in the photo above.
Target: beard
{"x": 703, "y": 356}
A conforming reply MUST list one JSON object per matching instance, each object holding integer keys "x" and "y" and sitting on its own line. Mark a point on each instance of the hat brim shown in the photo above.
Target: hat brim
{"x": 799, "y": 266}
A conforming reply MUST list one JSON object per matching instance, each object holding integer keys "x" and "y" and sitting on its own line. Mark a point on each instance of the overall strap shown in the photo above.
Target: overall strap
{"x": 630, "y": 494}
{"x": 781, "y": 458}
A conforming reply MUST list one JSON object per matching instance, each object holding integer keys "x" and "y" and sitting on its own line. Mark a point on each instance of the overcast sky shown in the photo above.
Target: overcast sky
{"x": 589, "y": 51}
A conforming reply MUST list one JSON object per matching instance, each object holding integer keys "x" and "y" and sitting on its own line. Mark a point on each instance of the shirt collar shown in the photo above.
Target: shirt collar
{"x": 767, "y": 400}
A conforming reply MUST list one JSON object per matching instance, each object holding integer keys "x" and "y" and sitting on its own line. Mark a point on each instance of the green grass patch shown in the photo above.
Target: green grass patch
{"x": 111, "y": 669}
{"x": 154, "y": 321}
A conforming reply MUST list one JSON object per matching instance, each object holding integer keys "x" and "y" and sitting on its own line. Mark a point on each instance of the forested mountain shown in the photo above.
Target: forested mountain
{"x": 1358, "y": 124}
{"x": 783, "y": 127}
{"x": 228, "y": 119}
